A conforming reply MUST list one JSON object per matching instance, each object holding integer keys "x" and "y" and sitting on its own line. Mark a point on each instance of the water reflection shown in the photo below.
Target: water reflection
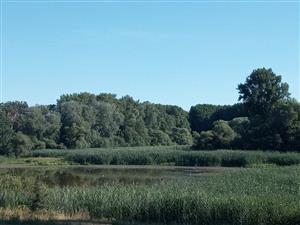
{"x": 95, "y": 176}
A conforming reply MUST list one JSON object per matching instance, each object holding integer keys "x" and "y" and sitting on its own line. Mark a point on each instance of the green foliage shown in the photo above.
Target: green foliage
{"x": 267, "y": 196}
{"x": 182, "y": 136}
{"x": 38, "y": 194}
{"x": 200, "y": 115}
{"x": 206, "y": 140}
{"x": 42, "y": 124}
{"x": 240, "y": 125}
{"x": 152, "y": 116}
{"x": 158, "y": 137}
{"x": 6, "y": 133}
{"x": 33, "y": 122}
{"x": 75, "y": 128}
{"x": 221, "y": 136}
{"x": 224, "y": 134}
{"x": 21, "y": 144}
{"x": 14, "y": 111}
{"x": 108, "y": 119}
{"x": 229, "y": 112}
{"x": 196, "y": 137}
{"x": 274, "y": 117}
{"x": 203, "y": 116}
{"x": 266, "y": 119}
{"x": 262, "y": 90}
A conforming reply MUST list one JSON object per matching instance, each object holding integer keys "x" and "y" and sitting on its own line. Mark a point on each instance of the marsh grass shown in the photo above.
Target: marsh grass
{"x": 177, "y": 156}
{"x": 254, "y": 196}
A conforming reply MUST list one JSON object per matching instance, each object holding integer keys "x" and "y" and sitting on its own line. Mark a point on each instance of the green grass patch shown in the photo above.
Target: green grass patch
{"x": 178, "y": 156}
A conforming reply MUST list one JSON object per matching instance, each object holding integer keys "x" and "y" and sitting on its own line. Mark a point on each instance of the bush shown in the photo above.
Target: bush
{"x": 158, "y": 137}
{"x": 182, "y": 136}
{"x": 21, "y": 144}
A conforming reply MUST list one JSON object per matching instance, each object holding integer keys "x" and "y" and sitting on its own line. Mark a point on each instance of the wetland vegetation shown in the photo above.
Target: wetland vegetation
{"x": 174, "y": 156}
{"x": 182, "y": 195}
{"x": 234, "y": 187}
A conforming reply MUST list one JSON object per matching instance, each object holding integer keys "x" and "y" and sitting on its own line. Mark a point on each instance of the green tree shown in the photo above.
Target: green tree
{"x": 262, "y": 91}
{"x": 241, "y": 126}
{"x": 221, "y": 136}
{"x": 203, "y": 116}
{"x": 224, "y": 134}
{"x": 52, "y": 129}
{"x": 176, "y": 117}
{"x": 182, "y": 136}
{"x": 14, "y": 111}
{"x": 108, "y": 98}
{"x": 33, "y": 122}
{"x": 108, "y": 120}
{"x": 200, "y": 116}
{"x": 206, "y": 140}
{"x": 152, "y": 116}
{"x": 21, "y": 144}
{"x": 83, "y": 98}
{"x": 158, "y": 137}
{"x": 75, "y": 129}
{"x": 133, "y": 129}
{"x": 42, "y": 125}
{"x": 265, "y": 97}
{"x": 6, "y": 133}
{"x": 279, "y": 131}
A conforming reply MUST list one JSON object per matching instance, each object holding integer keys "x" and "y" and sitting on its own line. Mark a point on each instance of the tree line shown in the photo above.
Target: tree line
{"x": 266, "y": 118}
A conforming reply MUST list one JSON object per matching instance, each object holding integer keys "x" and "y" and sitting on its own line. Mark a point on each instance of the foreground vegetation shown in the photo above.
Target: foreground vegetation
{"x": 177, "y": 156}
{"x": 268, "y": 196}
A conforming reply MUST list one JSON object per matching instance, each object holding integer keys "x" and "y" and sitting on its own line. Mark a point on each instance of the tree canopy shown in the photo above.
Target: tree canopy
{"x": 262, "y": 91}
{"x": 266, "y": 118}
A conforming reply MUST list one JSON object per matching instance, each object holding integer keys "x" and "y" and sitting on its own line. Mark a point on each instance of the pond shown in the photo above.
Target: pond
{"x": 101, "y": 175}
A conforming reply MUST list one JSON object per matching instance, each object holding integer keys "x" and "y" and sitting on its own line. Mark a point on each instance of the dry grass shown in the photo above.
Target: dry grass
{"x": 23, "y": 213}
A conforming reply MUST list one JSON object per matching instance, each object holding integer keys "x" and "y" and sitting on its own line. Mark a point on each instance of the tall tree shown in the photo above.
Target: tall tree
{"x": 263, "y": 94}
{"x": 133, "y": 129}
{"x": 108, "y": 119}
{"x": 74, "y": 127}
{"x": 262, "y": 91}
{"x": 14, "y": 111}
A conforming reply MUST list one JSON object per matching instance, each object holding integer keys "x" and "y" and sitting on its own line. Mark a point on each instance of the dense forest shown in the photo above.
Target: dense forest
{"x": 265, "y": 118}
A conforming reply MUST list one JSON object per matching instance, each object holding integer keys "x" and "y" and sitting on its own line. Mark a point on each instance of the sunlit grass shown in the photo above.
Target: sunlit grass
{"x": 178, "y": 156}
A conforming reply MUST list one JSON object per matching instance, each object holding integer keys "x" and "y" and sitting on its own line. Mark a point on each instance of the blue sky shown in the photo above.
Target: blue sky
{"x": 170, "y": 53}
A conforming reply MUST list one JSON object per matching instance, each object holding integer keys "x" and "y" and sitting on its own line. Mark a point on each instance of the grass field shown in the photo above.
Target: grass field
{"x": 235, "y": 187}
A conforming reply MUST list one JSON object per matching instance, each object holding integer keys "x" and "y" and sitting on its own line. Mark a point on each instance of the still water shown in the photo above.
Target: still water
{"x": 101, "y": 175}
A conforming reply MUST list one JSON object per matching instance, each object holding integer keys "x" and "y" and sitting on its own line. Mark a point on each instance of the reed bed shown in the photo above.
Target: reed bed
{"x": 178, "y": 156}
{"x": 253, "y": 196}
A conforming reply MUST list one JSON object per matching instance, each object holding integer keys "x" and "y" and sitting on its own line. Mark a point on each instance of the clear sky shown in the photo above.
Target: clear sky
{"x": 181, "y": 53}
